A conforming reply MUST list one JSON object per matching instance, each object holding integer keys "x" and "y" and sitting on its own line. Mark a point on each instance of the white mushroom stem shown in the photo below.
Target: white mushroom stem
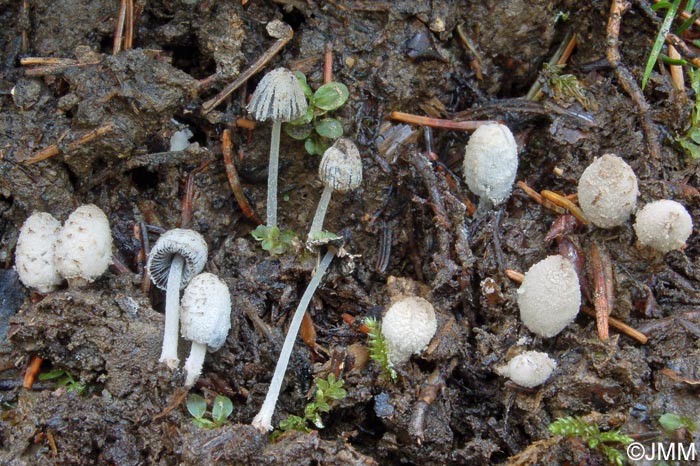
{"x": 263, "y": 420}
{"x": 172, "y": 313}
{"x": 317, "y": 224}
{"x": 272, "y": 174}
{"x": 194, "y": 363}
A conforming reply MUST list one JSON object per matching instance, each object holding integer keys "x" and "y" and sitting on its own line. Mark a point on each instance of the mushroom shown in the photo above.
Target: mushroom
{"x": 177, "y": 256}
{"x": 549, "y": 296}
{"x": 491, "y": 163}
{"x": 263, "y": 420}
{"x": 84, "y": 245}
{"x": 340, "y": 170}
{"x": 408, "y": 326}
{"x": 34, "y": 255}
{"x": 528, "y": 369}
{"x": 206, "y": 320}
{"x": 607, "y": 191}
{"x": 663, "y": 225}
{"x": 279, "y": 97}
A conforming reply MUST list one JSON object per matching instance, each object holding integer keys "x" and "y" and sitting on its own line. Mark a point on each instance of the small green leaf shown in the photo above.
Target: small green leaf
{"x": 204, "y": 423}
{"x": 196, "y": 405}
{"x": 660, "y": 39}
{"x": 260, "y": 232}
{"x": 314, "y": 146}
{"x": 330, "y": 128}
{"x": 221, "y": 410}
{"x": 318, "y": 422}
{"x": 306, "y": 119}
{"x": 293, "y": 423}
{"x": 330, "y": 96}
{"x": 52, "y": 375}
{"x": 671, "y": 422}
{"x": 298, "y": 132}
{"x": 304, "y": 85}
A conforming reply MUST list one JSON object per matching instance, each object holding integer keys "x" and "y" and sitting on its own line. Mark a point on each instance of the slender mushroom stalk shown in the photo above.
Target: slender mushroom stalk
{"x": 279, "y": 97}
{"x": 263, "y": 420}
{"x": 177, "y": 256}
{"x": 206, "y": 320}
{"x": 340, "y": 170}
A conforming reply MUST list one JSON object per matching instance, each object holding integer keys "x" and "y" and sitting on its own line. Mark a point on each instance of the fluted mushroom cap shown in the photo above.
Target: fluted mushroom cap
{"x": 34, "y": 255}
{"x": 205, "y": 311}
{"x": 187, "y": 243}
{"x": 663, "y": 225}
{"x": 278, "y": 97}
{"x": 341, "y": 166}
{"x": 408, "y": 326}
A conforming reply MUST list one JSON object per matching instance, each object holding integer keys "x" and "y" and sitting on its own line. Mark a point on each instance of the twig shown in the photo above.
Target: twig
{"x": 54, "y": 149}
{"x": 562, "y": 201}
{"x": 429, "y": 391}
{"x": 623, "y": 75}
{"x": 277, "y": 29}
{"x": 603, "y": 289}
{"x": 676, "y": 70}
{"x": 32, "y": 372}
{"x": 129, "y": 37}
{"x": 437, "y": 122}
{"x": 119, "y": 29}
{"x": 537, "y": 197}
{"x": 384, "y": 252}
{"x": 560, "y": 57}
{"x": 328, "y": 63}
{"x": 234, "y": 181}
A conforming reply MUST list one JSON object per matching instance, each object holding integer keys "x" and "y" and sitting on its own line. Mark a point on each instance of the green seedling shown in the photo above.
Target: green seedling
{"x": 220, "y": 411}
{"x": 672, "y": 422}
{"x": 315, "y": 128}
{"x": 564, "y": 87}
{"x": 274, "y": 240}
{"x": 691, "y": 140}
{"x": 378, "y": 349}
{"x": 574, "y": 426}
{"x": 64, "y": 378}
{"x": 327, "y": 391}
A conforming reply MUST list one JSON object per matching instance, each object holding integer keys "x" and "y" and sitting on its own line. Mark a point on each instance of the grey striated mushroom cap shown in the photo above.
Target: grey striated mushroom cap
{"x": 341, "y": 166}
{"x": 278, "y": 97}
{"x": 187, "y": 243}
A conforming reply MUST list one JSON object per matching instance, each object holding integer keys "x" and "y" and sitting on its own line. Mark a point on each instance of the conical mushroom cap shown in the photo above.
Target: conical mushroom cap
{"x": 205, "y": 311}
{"x": 278, "y": 97}
{"x": 187, "y": 243}
{"x": 341, "y": 166}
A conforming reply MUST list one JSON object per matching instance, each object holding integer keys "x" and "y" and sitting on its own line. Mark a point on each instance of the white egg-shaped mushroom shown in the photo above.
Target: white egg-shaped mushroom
{"x": 177, "y": 256}
{"x": 550, "y": 296}
{"x": 84, "y": 245}
{"x": 279, "y": 97}
{"x": 34, "y": 255}
{"x": 491, "y": 162}
{"x": 408, "y": 326}
{"x": 663, "y": 225}
{"x": 607, "y": 191}
{"x": 340, "y": 170}
{"x": 528, "y": 369}
{"x": 206, "y": 320}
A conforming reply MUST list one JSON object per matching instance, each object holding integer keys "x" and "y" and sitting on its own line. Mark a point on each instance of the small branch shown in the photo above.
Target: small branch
{"x": 234, "y": 181}
{"x": 437, "y": 122}
{"x": 562, "y": 201}
{"x": 603, "y": 289}
{"x": 119, "y": 29}
{"x": 54, "y": 149}
{"x": 328, "y": 63}
{"x": 32, "y": 372}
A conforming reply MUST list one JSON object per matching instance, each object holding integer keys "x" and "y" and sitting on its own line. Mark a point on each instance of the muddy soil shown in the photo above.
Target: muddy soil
{"x": 407, "y": 225}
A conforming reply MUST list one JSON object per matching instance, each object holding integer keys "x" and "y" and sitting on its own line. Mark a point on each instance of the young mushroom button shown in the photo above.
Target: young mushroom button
{"x": 528, "y": 369}
{"x": 279, "y": 97}
{"x": 663, "y": 225}
{"x": 34, "y": 255}
{"x": 84, "y": 245}
{"x": 177, "y": 256}
{"x": 408, "y": 326}
{"x": 607, "y": 191}
{"x": 206, "y": 320}
{"x": 340, "y": 170}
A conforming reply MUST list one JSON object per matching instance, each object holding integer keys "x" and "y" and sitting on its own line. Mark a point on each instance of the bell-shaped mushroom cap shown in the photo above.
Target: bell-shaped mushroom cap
{"x": 205, "y": 311}
{"x": 278, "y": 97}
{"x": 187, "y": 243}
{"x": 607, "y": 191}
{"x": 529, "y": 369}
{"x": 550, "y": 296}
{"x": 84, "y": 244}
{"x": 491, "y": 162}
{"x": 408, "y": 326}
{"x": 341, "y": 166}
{"x": 663, "y": 225}
{"x": 34, "y": 255}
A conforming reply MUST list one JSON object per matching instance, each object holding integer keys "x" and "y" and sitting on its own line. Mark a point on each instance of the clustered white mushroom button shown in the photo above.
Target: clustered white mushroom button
{"x": 84, "y": 245}
{"x": 607, "y": 191}
{"x": 663, "y": 225}
{"x": 34, "y": 255}
{"x": 528, "y": 369}
{"x": 491, "y": 163}
{"x": 279, "y": 97}
{"x": 177, "y": 256}
{"x": 206, "y": 320}
{"x": 549, "y": 297}
{"x": 340, "y": 170}
{"x": 408, "y": 326}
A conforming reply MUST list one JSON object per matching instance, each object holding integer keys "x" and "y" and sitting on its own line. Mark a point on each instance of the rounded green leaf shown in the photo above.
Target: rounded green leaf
{"x": 299, "y": 132}
{"x": 302, "y": 80}
{"x": 330, "y": 128}
{"x": 314, "y": 147}
{"x": 222, "y": 409}
{"x": 330, "y": 96}
{"x": 308, "y": 116}
{"x": 196, "y": 405}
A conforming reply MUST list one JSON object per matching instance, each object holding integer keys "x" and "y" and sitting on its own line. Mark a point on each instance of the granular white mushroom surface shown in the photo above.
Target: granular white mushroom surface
{"x": 408, "y": 326}
{"x": 34, "y": 255}
{"x": 607, "y": 191}
{"x": 663, "y": 225}
{"x": 528, "y": 369}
